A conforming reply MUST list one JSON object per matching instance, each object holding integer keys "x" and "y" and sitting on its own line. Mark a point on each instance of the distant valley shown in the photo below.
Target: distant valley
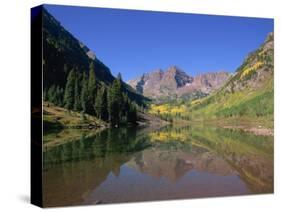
{"x": 245, "y": 98}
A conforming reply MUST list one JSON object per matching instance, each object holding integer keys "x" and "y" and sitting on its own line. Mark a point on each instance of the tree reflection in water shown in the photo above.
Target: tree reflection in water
{"x": 118, "y": 165}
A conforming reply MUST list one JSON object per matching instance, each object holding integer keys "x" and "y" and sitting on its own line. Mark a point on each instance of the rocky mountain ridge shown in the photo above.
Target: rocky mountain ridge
{"x": 174, "y": 83}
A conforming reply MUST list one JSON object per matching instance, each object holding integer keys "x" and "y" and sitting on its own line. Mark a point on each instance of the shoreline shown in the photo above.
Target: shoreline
{"x": 260, "y": 131}
{"x": 259, "y": 127}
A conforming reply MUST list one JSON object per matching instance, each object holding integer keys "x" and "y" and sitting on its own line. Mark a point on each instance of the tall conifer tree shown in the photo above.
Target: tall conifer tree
{"x": 85, "y": 94}
{"x": 101, "y": 103}
{"x": 115, "y": 102}
{"x": 69, "y": 90}
{"x": 51, "y": 94}
{"x": 77, "y": 103}
{"x": 92, "y": 88}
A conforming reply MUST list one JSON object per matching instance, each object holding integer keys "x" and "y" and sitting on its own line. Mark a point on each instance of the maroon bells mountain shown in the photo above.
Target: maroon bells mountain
{"x": 174, "y": 83}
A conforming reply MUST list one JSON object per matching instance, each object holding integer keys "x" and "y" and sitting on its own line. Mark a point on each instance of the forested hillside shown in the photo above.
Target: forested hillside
{"x": 75, "y": 79}
{"x": 62, "y": 52}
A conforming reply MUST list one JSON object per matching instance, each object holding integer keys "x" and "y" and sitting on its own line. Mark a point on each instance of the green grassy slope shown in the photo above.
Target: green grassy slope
{"x": 57, "y": 118}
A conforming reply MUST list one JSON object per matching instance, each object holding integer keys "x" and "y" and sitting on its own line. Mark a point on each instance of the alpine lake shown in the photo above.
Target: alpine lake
{"x": 144, "y": 164}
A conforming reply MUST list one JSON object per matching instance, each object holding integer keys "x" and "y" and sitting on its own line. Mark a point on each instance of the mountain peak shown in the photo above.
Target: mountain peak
{"x": 268, "y": 43}
{"x": 156, "y": 74}
{"x": 175, "y": 82}
{"x": 156, "y": 71}
{"x": 176, "y": 77}
{"x": 173, "y": 68}
{"x": 269, "y": 37}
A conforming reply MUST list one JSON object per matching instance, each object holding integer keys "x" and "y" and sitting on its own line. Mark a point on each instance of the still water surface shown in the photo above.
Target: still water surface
{"x": 129, "y": 164}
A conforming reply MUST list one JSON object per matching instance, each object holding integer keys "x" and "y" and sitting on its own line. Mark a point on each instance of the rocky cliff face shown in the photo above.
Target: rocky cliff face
{"x": 174, "y": 82}
{"x": 205, "y": 83}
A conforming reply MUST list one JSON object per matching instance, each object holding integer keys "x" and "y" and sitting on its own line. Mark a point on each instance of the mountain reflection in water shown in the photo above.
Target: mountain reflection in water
{"x": 129, "y": 164}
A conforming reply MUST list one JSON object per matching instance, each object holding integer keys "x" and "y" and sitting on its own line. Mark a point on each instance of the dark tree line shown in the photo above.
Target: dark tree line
{"x": 83, "y": 93}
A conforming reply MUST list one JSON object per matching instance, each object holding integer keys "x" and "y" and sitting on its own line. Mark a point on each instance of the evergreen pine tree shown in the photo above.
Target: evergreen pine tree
{"x": 77, "y": 103}
{"x": 69, "y": 90}
{"x": 51, "y": 93}
{"x": 101, "y": 103}
{"x": 59, "y": 96}
{"x": 104, "y": 115}
{"x": 119, "y": 77}
{"x": 85, "y": 94}
{"x": 92, "y": 88}
{"x": 115, "y": 102}
{"x": 110, "y": 103}
{"x": 125, "y": 108}
{"x": 57, "y": 100}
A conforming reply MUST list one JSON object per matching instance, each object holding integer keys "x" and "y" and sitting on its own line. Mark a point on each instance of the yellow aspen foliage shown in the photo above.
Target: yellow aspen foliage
{"x": 251, "y": 69}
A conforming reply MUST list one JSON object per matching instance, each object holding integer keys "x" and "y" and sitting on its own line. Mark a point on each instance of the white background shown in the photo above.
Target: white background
{"x": 15, "y": 103}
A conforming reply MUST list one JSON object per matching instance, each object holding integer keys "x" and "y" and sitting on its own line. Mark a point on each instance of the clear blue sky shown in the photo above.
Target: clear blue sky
{"x": 133, "y": 42}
